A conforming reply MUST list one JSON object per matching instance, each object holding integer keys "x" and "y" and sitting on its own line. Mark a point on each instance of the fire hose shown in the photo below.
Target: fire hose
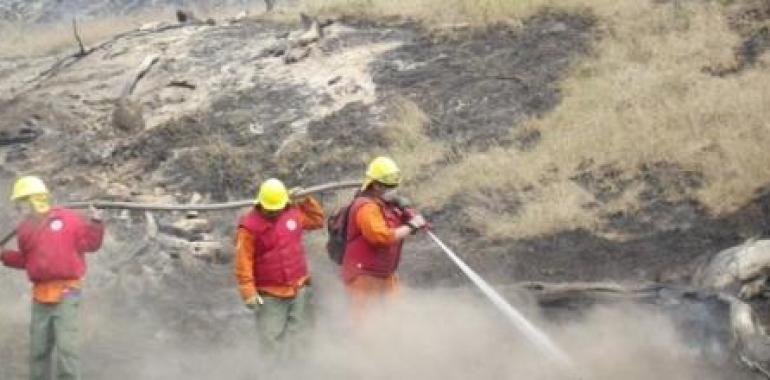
{"x": 113, "y": 205}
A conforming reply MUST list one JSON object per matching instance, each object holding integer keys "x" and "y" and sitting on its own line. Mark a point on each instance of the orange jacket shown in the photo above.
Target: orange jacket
{"x": 311, "y": 217}
{"x": 373, "y": 227}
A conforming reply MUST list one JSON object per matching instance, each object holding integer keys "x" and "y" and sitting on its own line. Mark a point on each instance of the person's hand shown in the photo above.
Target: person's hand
{"x": 94, "y": 213}
{"x": 253, "y": 302}
{"x": 294, "y": 194}
{"x": 417, "y": 222}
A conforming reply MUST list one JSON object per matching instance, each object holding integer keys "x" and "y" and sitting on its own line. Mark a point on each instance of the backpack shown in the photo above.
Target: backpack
{"x": 337, "y": 226}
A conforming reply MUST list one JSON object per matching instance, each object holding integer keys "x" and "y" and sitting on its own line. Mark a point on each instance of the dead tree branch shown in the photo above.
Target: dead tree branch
{"x": 143, "y": 69}
{"x": 79, "y": 40}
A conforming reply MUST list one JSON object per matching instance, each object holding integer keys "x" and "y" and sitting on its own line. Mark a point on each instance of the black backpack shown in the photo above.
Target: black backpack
{"x": 337, "y": 225}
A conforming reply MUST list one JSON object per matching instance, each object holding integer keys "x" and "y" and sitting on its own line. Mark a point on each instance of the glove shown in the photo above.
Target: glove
{"x": 253, "y": 302}
{"x": 94, "y": 213}
{"x": 417, "y": 222}
{"x": 293, "y": 194}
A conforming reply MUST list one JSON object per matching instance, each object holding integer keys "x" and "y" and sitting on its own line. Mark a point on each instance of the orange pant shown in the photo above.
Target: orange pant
{"x": 366, "y": 292}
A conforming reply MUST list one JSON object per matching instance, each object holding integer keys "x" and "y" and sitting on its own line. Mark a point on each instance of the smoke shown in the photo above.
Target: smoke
{"x": 147, "y": 315}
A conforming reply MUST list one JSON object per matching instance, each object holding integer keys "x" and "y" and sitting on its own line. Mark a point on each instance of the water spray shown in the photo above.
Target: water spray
{"x": 529, "y": 330}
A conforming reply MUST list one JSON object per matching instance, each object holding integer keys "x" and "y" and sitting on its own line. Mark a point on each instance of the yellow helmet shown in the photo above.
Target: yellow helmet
{"x": 383, "y": 170}
{"x": 26, "y": 186}
{"x": 273, "y": 195}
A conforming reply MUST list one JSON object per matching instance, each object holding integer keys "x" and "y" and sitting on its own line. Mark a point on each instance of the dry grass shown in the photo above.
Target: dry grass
{"x": 22, "y": 39}
{"x": 642, "y": 98}
{"x": 431, "y": 12}
{"x": 406, "y": 134}
{"x": 40, "y": 39}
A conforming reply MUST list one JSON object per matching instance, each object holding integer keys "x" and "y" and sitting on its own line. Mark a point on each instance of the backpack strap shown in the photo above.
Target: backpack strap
{"x": 359, "y": 201}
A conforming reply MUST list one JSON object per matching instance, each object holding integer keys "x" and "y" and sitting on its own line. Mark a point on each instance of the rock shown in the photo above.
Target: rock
{"x": 734, "y": 266}
{"x": 150, "y": 26}
{"x": 241, "y": 16}
{"x": 124, "y": 215}
{"x": 184, "y": 17}
{"x": 151, "y": 225}
{"x": 311, "y": 35}
{"x": 207, "y": 250}
{"x": 196, "y": 198}
{"x": 296, "y": 55}
{"x": 174, "y": 244}
{"x": 743, "y": 322}
{"x": 753, "y": 289}
{"x": 191, "y": 226}
{"x": 117, "y": 191}
{"x": 127, "y": 115}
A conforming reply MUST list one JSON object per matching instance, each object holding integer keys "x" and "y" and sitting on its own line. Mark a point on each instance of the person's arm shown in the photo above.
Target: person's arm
{"x": 16, "y": 259}
{"x": 91, "y": 236}
{"x": 244, "y": 264}
{"x": 13, "y": 259}
{"x": 374, "y": 228}
{"x": 311, "y": 213}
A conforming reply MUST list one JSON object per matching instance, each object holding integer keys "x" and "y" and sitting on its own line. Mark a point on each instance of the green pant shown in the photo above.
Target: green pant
{"x": 54, "y": 326}
{"x": 281, "y": 323}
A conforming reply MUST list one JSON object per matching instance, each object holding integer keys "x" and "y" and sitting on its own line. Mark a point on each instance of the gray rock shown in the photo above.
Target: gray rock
{"x": 127, "y": 115}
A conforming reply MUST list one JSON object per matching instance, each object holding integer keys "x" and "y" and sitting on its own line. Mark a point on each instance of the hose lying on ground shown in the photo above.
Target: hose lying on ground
{"x": 110, "y": 205}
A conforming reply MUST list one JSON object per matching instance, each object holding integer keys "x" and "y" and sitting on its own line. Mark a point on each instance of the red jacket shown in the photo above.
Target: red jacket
{"x": 280, "y": 254}
{"x": 53, "y": 249}
{"x": 364, "y": 257}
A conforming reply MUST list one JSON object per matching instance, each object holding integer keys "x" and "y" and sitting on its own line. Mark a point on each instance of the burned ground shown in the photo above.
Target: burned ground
{"x": 476, "y": 85}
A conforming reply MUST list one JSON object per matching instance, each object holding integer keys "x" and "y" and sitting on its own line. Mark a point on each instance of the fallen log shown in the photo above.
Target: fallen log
{"x": 141, "y": 71}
